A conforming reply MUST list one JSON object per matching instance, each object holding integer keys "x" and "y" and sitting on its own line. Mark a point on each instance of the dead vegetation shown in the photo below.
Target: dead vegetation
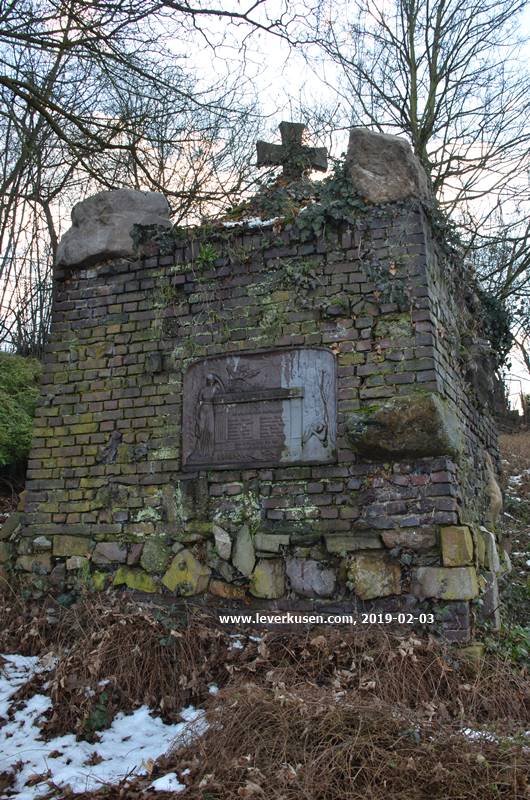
{"x": 115, "y": 654}
{"x": 309, "y": 743}
{"x": 321, "y": 714}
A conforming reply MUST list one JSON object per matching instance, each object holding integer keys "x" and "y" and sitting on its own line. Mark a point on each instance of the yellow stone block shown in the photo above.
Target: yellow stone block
{"x": 186, "y": 575}
{"x": 457, "y": 546}
{"x": 374, "y": 575}
{"x": 135, "y": 579}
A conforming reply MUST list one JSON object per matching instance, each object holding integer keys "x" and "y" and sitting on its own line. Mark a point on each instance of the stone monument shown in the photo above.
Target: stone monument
{"x": 276, "y": 413}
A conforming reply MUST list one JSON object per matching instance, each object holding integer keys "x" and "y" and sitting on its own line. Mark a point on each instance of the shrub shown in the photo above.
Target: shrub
{"x": 18, "y": 398}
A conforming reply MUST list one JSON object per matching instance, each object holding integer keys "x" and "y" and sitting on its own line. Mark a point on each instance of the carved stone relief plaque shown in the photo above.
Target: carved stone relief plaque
{"x": 260, "y": 409}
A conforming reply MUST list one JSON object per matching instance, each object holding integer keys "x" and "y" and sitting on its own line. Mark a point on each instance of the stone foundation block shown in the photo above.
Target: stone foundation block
{"x": 226, "y": 590}
{"x": 223, "y": 542}
{"x": 135, "y": 579}
{"x": 491, "y": 553}
{"x": 268, "y": 579}
{"x": 271, "y": 542}
{"x": 244, "y": 556}
{"x": 457, "y": 583}
{"x": 373, "y": 575}
{"x": 155, "y": 555}
{"x": 310, "y": 578}
{"x": 348, "y": 542}
{"x": 186, "y": 575}
{"x": 39, "y": 563}
{"x": 417, "y": 539}
{"x": 457, "y": 545}
{"x": 415, "y": 425}
{"x": 76, "y": 562}
{"x": 109, "y": 553}
{"x": 71, "y": 545}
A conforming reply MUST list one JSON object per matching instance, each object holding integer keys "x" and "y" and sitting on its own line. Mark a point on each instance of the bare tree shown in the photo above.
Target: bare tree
{"x": 450, "y": 76}
{"x": 99, "y": 95}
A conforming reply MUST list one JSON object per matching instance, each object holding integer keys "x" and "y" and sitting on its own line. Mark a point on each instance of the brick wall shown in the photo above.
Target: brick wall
{"x": 106, "y": 493}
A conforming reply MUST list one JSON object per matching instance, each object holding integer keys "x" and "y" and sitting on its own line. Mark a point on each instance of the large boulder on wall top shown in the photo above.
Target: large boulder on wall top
{"x": 383, "y": 168}
{"x": 102, "y": 226}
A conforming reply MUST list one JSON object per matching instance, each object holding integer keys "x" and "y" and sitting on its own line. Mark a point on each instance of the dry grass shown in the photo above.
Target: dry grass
{"x": 515, "y": 451}
{"x": 132, "y": 659}
{"x": 310, "y": 744}
{"x": 323, "y": 714}
{"x": 116, "y": 655}
{"x": 395, "y": 671}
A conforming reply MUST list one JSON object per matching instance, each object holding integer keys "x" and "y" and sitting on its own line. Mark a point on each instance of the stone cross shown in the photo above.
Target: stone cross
{"x": 295, "y": 158}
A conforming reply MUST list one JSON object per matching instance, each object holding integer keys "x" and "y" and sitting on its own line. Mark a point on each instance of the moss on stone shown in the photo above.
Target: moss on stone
{"x": 155, "y": 555}
{"x": 373, "y": 575}
{"x": 65, "y": 545}
{"x": 135, "y": 578}
{"x": 186, "y": 575}
{"x": 415, "y": 425}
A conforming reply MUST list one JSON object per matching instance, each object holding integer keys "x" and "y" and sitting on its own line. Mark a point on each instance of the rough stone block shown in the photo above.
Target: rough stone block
{"x": 271, "y": 542}
{"x": 135, "y": 578}
{"x": 268, "y": 579}
{"x": 65, "y": 545}
{"x": 155, "y": 555}
{"x": 109, "y": 553}
{"x": 135, "y": 551}
{"x": 244, "y": 556}
{"x": 223, "y": 542}
{"x": 40, "y": 563}
{"x": 310, "y": 578}
{"x": 445, "y": 583}
{"x": 457, "y": 545}
{"x": 491, "y": 553}
{"x": 494, "y": 491}
{"x": 373, "y": 575}
{"x": 102, "y": 226}
{"x": 383, "y": 168}
{"x": 348, "y": 542}
{"x": 226, "y": 590}
{"x": 76, "y": 562}
{"x": 418, "y": 539}
{"x": 42, "y": 543}
{"x": 186, "y": 575}
{"x": 415, "y": 425}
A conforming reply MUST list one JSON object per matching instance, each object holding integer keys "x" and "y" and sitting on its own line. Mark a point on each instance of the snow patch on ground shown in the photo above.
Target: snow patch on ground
{"x": 124, "y": 749}
{"x": 168, "y": 783}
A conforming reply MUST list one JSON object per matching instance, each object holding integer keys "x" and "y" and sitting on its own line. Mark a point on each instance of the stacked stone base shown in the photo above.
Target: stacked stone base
{"x": 447, "y": 571}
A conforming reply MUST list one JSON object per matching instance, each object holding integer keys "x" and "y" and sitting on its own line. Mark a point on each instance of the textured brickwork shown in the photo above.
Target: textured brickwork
{"x": 106, "y": 467}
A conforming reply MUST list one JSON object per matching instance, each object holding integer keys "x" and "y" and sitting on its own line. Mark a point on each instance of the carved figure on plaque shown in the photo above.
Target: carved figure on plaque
{"x": 205, "y": 424}
{"x": 319, "y": 428}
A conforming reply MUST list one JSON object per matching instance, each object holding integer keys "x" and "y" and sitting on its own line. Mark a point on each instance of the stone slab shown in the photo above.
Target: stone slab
{"x": 266, "y": 408}
{"x": 310, "y": 578}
